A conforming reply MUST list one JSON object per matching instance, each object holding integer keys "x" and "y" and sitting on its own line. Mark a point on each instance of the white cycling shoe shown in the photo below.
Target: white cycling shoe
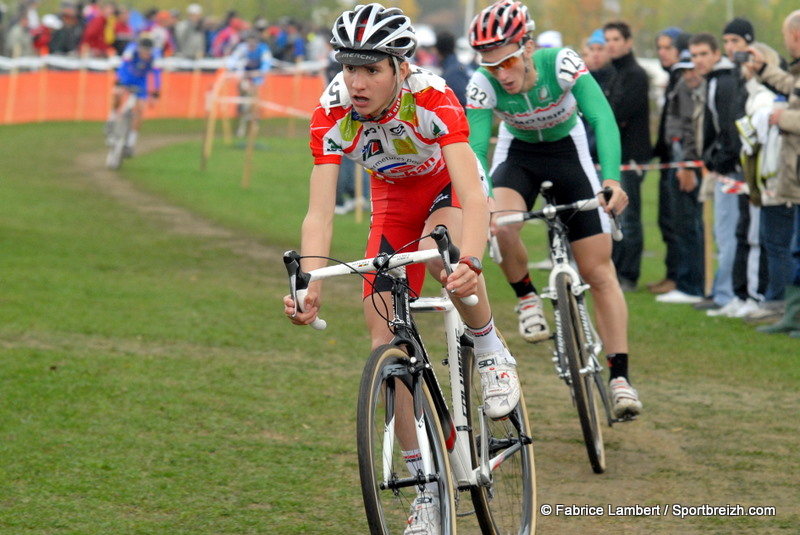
{"x": 625, "y": 398}
{"x": 424, "y": 516}
{"x": 532, "y": 323}
{"x": 500, "y": 383}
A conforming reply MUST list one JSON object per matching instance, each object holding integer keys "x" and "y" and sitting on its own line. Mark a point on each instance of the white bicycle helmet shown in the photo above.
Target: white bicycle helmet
{"x": 502, "y": 23}
{"x": 370, "y": 33}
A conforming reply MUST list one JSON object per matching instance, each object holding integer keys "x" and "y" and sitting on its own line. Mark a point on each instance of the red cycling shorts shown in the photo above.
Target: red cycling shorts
{"x": 399, "y": 212}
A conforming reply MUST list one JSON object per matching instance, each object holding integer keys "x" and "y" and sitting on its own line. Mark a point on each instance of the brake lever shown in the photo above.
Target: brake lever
{"x": 448, "y": 250}
{"x": 298, "y": 286}
{"x": 616, "y": 226}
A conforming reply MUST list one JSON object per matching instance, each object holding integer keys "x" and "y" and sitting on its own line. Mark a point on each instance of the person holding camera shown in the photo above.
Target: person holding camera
{"x": 787, "y": 118}
{"x": 749, "y": 275}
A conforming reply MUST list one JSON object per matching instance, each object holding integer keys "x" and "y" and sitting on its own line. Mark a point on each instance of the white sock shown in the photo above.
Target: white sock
{"x": 413, "y": 460}
{"x": 485, "y": 338}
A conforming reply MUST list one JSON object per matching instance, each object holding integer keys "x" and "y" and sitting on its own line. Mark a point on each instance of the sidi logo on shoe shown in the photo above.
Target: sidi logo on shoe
{"x": 486, "y": 363}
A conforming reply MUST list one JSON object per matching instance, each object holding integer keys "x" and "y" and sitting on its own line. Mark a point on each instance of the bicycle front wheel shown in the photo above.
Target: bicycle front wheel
{"x": 122, "y": 128}
{"x": 506, "y": 504}
{"x": 395, "y": 463}
{"x": 582, "y": 374}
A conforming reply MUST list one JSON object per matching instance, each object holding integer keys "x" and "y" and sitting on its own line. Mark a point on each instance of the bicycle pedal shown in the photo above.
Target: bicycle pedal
{"x": 625, "y": 418}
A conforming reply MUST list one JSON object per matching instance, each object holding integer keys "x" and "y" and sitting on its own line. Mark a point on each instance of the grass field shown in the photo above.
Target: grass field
{"x": 149, "y": 383}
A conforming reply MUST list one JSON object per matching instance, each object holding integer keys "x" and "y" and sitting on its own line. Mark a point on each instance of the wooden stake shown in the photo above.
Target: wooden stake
{"x": 12, "y": 87}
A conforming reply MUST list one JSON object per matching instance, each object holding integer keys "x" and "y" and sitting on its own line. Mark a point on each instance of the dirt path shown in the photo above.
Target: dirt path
{"x": 91, "y": 166}
{"x": 708, "y": 445}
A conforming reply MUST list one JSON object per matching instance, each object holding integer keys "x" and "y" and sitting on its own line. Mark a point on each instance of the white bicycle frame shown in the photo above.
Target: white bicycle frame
{"x": 118, "y": 135}
{"x": 561, "y": 264}
{"x": 454, "y": 329}
{"x": 460, "y": 459}
{"x": 130, "y": 97}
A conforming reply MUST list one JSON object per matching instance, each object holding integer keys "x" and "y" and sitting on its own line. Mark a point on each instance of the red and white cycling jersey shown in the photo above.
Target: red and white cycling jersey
{"x": 407, "y": 142}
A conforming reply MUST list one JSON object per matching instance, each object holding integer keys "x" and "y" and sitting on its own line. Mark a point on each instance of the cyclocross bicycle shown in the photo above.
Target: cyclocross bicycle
{"x": 461, "y": 449}
{"x": 577, "y": 345}
{"x": 248, "y": 104}
{"x": 121, "y": 129}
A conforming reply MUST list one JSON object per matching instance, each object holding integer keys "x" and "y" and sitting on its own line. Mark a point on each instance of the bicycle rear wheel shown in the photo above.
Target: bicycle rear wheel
{"x": 507, "y": 504}
{"x": 584, "y": 391}
{"x": 387, "y": 484}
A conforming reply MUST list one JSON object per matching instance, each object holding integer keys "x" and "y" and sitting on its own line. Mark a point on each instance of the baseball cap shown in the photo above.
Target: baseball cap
{"x": 684, "y": 61}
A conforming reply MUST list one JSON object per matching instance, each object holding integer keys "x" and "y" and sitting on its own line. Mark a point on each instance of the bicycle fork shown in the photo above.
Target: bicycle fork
{"x": 593, "y": 345}
{"x": 412, "y": 375}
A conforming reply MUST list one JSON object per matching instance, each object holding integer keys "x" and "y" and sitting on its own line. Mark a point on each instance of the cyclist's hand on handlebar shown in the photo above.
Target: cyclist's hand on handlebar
{"x": 462, "y": 282}
{"x": 302, "y": 317}
{"x": 619, "y": 199}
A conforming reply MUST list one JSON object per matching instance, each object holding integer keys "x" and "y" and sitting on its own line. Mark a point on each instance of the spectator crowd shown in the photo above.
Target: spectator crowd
{"x": 104, "y": 29}
{"x": 731, "y": 103}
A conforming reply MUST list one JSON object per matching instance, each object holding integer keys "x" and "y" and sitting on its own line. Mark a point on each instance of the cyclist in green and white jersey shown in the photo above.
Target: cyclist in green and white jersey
{"x": 538, "y": 94}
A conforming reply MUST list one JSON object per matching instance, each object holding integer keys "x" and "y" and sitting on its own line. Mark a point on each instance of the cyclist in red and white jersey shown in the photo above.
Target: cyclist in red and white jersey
{"x": 537, "y": 94}
{"x": 408, "y": 129}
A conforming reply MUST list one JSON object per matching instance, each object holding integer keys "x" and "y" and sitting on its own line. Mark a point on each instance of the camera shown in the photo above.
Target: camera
{"x": 742, "y": 57}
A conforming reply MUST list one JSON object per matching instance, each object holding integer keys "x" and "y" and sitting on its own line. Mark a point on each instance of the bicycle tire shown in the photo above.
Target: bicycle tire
{"x": 508, "y": 504}
{"x": 122, "y": 128}
{"x": 584, "y": 390}
{"x": 385, "y": 377}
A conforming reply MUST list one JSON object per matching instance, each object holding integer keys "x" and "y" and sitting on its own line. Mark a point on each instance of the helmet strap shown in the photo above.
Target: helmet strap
{"x": 527, "y": 61}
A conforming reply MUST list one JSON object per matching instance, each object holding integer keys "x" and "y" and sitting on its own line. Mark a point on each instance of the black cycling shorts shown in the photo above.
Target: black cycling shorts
{"x": 527, "y": 165}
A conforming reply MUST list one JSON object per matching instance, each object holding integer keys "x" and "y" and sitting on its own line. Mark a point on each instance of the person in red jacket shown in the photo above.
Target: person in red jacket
{"x": 98, "y": 36}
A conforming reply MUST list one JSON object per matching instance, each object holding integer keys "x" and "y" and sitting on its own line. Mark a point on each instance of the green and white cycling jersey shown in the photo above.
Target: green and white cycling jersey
{"x": 549, "y": 111}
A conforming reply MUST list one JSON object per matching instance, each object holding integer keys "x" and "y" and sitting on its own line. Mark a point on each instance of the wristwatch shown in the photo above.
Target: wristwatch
{"x": 473, "y": 263}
